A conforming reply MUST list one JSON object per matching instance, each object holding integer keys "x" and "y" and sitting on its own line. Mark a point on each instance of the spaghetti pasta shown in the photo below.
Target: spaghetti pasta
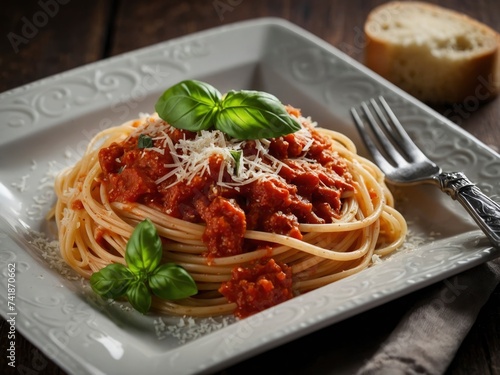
{"x": 351, "y": 213}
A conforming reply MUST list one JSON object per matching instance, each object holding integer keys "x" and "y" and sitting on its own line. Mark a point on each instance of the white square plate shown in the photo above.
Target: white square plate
{"x": 47, "y": 124}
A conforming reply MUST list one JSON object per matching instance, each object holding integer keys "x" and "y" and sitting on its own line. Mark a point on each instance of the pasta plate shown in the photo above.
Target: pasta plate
{"x": 46, "y": 126}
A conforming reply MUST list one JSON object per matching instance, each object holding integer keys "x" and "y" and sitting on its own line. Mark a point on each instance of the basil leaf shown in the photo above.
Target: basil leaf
{"x": 144, "y": 141}
{"x": 237, "y": 159}
{"x": 245, "y": 114}
{"x": 139, "y": 296}
{"x": 143, "y": 255}
{"x": 253, "y": 115}
{"x": 171, "y": 281}
{"x": 189, "y": 105}
{"x": 144, "y": 250}
{"x": 112, "y": 281}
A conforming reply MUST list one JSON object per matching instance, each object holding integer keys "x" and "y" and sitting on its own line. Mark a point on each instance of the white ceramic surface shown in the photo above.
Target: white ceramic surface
{"x": 45, "y": 125}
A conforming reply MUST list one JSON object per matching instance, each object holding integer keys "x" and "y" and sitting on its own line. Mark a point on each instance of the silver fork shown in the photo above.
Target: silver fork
{"x": 403, "y": 163}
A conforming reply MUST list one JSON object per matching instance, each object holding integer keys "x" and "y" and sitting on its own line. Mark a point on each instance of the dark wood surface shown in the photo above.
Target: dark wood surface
{"x": 78, "y": 32}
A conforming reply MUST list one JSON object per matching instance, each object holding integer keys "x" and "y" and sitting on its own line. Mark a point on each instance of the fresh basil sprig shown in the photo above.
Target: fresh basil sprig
{"x": 143, "y": 274}
{"x": 246, "y": 114}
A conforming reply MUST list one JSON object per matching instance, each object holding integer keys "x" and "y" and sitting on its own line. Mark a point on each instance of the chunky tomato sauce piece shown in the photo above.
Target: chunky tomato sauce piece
{"x": 258, "y": 287}
{"x": 77, "y": 205}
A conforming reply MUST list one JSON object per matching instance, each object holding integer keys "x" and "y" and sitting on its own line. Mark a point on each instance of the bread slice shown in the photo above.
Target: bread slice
{"x": 435, "y": 54}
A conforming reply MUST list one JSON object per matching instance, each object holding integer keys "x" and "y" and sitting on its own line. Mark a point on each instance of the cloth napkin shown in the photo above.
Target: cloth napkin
{"x": 428, "y": 336}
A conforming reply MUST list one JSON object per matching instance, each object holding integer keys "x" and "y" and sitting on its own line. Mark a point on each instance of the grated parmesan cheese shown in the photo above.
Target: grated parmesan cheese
{"x": 49, "y": 250}
{"x": 188, "y": 329}
{"x": 191, "y": 156}
{"x": 22, "y": 186}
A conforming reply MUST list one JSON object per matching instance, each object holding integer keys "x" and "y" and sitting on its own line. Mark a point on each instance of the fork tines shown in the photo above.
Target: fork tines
{"x": 385, "y": 137}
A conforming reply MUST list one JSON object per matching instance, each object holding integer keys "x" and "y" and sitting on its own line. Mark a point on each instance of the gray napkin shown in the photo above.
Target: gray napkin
{"x": 428, "y": 336}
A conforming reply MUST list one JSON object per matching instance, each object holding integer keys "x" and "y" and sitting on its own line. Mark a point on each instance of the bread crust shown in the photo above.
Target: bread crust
{"x": 430, "y": 78}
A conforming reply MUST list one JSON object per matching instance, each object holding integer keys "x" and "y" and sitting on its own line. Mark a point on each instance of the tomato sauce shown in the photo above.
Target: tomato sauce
{"x": 77, "y": 205}
{"x": 306, "y": 192}
{"x": 258, "y": 287}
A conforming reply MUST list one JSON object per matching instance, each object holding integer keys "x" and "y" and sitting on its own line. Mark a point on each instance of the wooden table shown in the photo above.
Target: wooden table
{"x": 74, "y": 33}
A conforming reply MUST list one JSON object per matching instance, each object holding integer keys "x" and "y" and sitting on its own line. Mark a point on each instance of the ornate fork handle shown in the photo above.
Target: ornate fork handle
{"x": 484, "y": 211}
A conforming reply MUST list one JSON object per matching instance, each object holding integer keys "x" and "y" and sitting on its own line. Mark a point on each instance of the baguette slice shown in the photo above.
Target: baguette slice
{"x": 435, "y": 54}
